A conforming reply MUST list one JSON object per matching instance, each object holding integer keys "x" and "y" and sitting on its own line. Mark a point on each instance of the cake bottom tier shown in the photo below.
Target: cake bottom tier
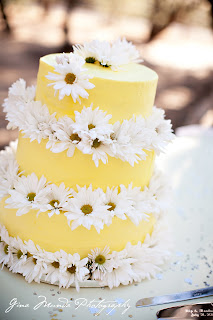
{"x": 101, "y": 268}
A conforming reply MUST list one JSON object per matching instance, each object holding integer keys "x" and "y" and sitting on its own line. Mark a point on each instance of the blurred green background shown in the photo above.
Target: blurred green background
{"x": 175, "y": 38}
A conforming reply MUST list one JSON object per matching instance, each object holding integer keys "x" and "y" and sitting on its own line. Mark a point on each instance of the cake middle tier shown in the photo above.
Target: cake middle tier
{"x": 53, "y": 234}
{"x": 80, "y": 169}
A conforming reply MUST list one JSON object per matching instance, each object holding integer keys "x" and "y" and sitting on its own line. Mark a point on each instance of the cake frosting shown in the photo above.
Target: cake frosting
{"x": 80, "y": 198}
{"x": 114, "y": 91}
{"x": 80, "y": 169}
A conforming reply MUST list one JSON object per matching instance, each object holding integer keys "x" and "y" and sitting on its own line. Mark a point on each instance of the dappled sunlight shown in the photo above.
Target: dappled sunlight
{"x": 186, "y": 48}
{"x": 175, "y": 98}
{"x": 181, "y": 53}
{"x": 207, "y": 119}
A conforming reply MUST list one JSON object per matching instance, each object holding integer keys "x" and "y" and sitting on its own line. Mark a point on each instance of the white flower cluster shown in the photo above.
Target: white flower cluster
{"x": 36, "y": 264}
{"x": 91, "y": 131}
{"x": 86, "y": 207}
{"x": 70, "y": 78}
{"x": 134, "y": 263}
{"x": 114, "y": 55}
{"x": 9, "y": 170}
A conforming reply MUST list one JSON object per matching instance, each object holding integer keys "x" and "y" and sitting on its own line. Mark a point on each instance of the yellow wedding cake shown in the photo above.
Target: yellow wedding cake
{"x": 80, "y": 200}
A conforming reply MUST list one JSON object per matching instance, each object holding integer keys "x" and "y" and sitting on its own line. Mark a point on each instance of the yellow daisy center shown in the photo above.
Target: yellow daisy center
{"x": 90, "y": 60}
{"x": 19, "y": 254}
{"x": 31, "y": 196}
{"x": 96, "y": 143}
{"x": 112, "y": 136}
{"x": 70, "y": 78}
{"x": 6, "y": 249}
{"x": 87, "y": 209}
{"x": 34, "y": 260}
{"x": 112, "y": 206}
{"x": 54, "y": 203}
{"x": 104, "y": 65}
{"x": 100, "y": 259}
{"x": 72, "y": 269}
{"x": 75, "y": 137}
{"x": 29, "y": 255}
{"x": 91, "y": 126}
{"x": 55, "y": 264}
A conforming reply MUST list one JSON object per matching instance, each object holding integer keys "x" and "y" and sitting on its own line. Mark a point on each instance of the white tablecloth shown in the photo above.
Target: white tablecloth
{"x": 189, "y": 163}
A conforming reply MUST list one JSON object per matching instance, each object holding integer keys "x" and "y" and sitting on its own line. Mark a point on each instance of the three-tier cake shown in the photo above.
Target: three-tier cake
{"x": 80, "y": 199}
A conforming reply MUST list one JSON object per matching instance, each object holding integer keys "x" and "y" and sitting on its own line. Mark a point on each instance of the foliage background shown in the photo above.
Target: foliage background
{"x": 175, "y": 39}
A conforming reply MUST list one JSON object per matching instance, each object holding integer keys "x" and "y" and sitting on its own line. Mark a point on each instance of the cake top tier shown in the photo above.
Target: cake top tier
{"x": 97, "y": 99}
{"x": 131, "y": 72}
{"x": 105, "y": 75}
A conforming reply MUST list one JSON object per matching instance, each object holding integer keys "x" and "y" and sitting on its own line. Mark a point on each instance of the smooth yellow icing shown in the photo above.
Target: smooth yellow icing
{"x": 53, "y": 234}
{"x": 80, "y": 169}
{"x": 120, "y": 93}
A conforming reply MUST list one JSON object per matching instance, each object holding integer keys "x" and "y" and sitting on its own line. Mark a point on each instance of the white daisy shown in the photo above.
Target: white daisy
{"x": 20, "y": 91}
{"x": 87, "y": 208}
{"x": 6, "y": 255}
{"x": 117, "y": 276}
{"x": 9, "y": 152}
{"x": 14, "y": 105}
{"x": 93, "y": 123}
{"x": 8, "y": 174}
{"x": 139, "y": 206}
{"x": 70, "y": 79}
{"x": 52, "y": 139}
{"x": 99, "y": 148}
{"x": 141, "y": 136}
{"x": 128, "y": 142}
{"x": 118, "y": 204}
{"x": 39, "y": 121}
{"x": 15, "y": 117}
{"x": 19, "y": 251}
{"x": 55, "y": 200}
{"x": 5, "y": 252}
{"x": 63, "y": 58}
{"x": 66, "y": 139}
{"x": 121, "y": 272}
{"x": 100, "y": 262}
{"x": 19, "y": 94}
{"x": 128, "y": 50}
{"x": 161, "y": 130}
{"x": 160, "y": 191}
{"x": 88, "y": 51}
{"x": 145, "y": 265}
{"x": 27, "y": 194}
{"x": 100, "y": 51}
{"x": 69, "y": 58}
{"x": 155, "y": 250}
{"x": 54, "y": 268}
{"x": 35, "y": 267}
{"x": 4, "y": 236}
{"x": 11, "y": 149}
{"x": 107, "y": 56}
{"x": 113, "y": 55}
{"x": 74, "y": 268}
